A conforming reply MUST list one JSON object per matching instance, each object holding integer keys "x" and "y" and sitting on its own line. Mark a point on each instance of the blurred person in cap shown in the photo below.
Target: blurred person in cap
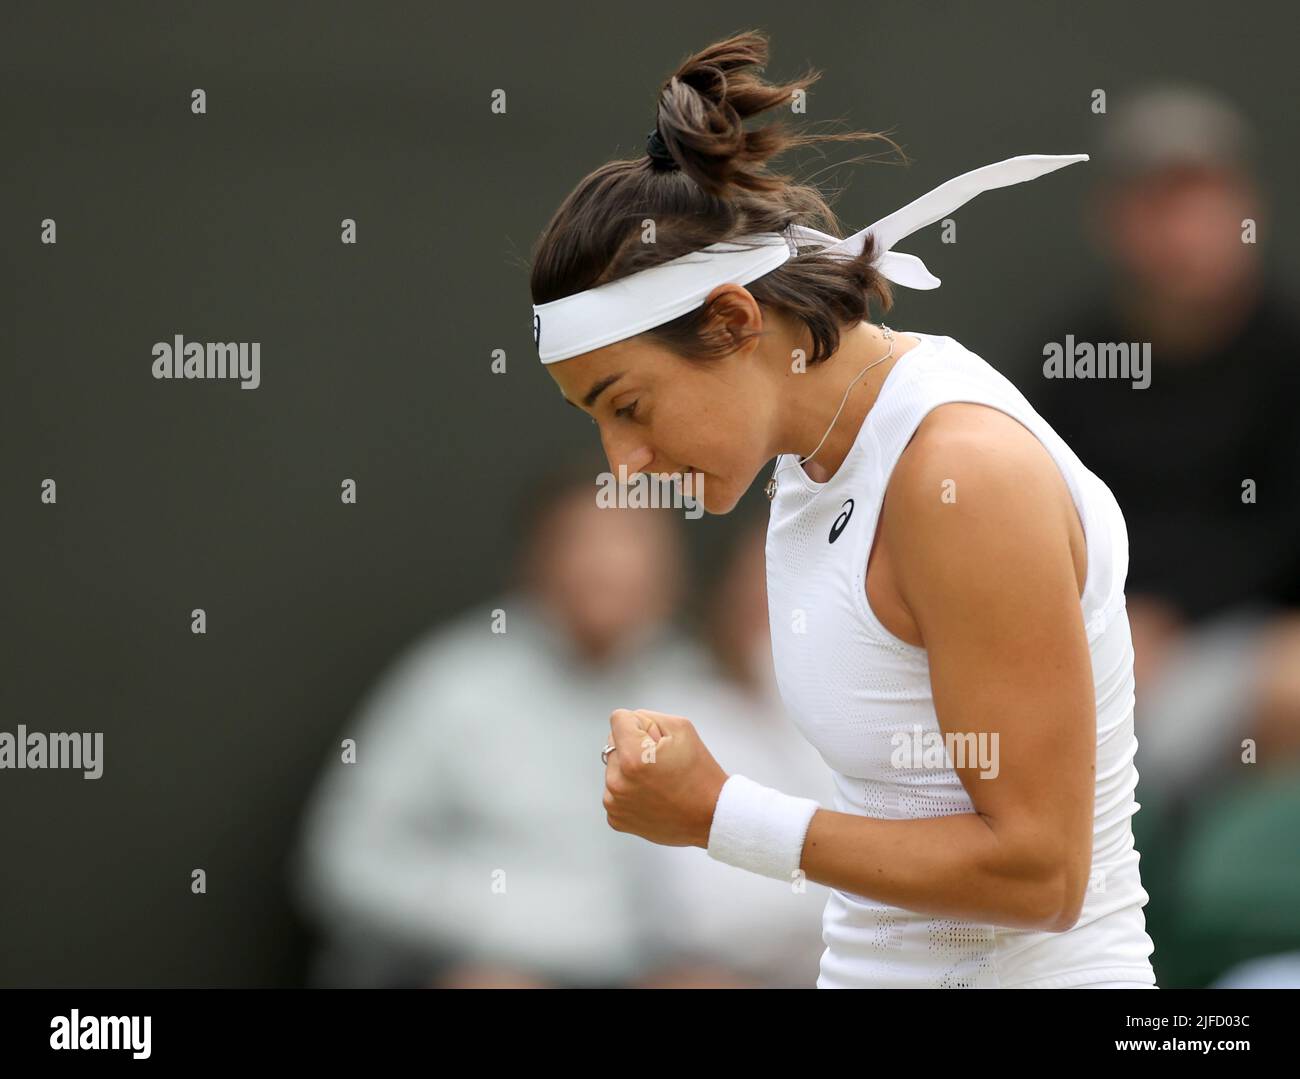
{"x": 1214, "y": 574}
{"x": 465, "y": 846}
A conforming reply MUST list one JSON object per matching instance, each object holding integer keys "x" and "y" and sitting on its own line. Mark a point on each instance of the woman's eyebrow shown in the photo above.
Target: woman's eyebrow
{"x": 599, "y": 388}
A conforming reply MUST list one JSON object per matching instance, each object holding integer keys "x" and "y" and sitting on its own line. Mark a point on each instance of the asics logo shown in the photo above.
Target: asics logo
{"x": 842, "y": 520}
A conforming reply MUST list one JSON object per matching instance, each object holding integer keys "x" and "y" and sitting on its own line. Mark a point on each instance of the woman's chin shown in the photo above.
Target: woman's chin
{"x": 709, "y": 492}
{"x": 717, "y": 497}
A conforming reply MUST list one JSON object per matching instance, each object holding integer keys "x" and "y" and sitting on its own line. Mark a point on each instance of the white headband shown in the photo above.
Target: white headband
{"x": 631, "y": 305}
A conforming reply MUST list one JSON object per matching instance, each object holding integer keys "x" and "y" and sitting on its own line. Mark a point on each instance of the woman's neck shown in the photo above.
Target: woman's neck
{"x": 811, "y": 398}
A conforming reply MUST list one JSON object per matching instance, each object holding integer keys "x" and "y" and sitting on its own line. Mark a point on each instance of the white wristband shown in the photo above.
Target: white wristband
{"x": 760, "y": 829}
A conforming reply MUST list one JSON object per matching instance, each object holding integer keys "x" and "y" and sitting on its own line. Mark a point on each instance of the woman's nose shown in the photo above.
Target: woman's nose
{"x": 632, "y": 454}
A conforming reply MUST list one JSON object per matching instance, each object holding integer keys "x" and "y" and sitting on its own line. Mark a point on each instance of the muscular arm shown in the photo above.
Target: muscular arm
{"x": 990, "y": 582}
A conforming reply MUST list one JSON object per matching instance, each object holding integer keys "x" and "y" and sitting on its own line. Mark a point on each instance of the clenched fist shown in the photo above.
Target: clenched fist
{"x": 661, "y": 783}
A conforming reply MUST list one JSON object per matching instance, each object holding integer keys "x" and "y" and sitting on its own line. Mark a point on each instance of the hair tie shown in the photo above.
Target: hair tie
{"x": 657, "y": 151}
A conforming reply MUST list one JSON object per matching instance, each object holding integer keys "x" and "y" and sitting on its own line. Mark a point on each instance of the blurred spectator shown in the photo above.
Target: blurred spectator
{"x": 467, "y": 845}
{"x": 1214, "y": 579}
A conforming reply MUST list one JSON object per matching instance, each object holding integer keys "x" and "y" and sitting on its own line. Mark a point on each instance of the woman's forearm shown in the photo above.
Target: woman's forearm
{"x": 954, "y": 866}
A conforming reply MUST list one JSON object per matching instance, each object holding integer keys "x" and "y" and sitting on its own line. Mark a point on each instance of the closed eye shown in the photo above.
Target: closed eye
{"x": 627, "y": 410}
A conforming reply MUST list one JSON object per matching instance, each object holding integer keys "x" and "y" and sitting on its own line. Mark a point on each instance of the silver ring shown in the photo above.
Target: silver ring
{"x": 604, "y": 754}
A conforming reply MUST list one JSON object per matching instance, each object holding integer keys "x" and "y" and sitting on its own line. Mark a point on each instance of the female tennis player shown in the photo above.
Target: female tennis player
{"x": 945, "y": 577}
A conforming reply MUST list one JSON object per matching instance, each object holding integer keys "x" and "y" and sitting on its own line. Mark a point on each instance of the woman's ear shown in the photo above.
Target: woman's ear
{"x": 734, "y": 311}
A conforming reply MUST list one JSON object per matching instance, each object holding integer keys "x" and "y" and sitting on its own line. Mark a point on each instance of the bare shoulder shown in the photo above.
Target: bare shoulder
{"x": 966, "y": 444}
{"x": 975, "y": 493}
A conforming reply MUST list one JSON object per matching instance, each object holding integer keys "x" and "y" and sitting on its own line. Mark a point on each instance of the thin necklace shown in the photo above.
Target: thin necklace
{"x": 771, "y": 483}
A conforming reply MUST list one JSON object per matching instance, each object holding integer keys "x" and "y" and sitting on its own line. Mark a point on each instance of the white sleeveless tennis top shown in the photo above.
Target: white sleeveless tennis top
{"x": 850, "y": 685}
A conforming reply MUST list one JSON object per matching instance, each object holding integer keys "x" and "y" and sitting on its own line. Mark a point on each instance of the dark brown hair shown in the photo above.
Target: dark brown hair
{"x": 718, "y": 188}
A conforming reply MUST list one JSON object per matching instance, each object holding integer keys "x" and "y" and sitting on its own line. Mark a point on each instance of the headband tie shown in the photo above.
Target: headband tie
{"x": 631, "y": 305}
